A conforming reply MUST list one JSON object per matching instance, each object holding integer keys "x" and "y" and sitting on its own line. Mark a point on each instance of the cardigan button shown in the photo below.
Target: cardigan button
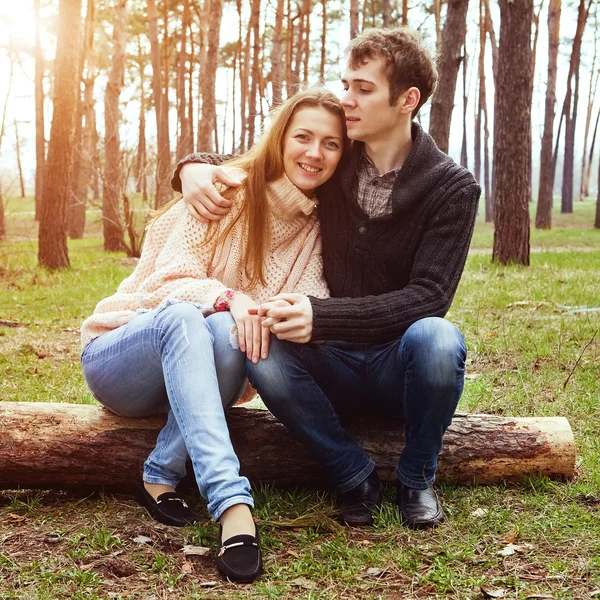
{"x": 362, "y": 229}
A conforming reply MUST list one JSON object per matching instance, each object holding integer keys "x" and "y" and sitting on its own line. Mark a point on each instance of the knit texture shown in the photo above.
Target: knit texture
{"x": 176, "y": 266}
{"x": 386, "y": 273}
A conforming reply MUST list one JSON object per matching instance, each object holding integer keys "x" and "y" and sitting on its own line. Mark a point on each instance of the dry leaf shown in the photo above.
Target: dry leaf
{"x": 375, "y": 571}
{"x": 187, "y": 568}
{"x": 207, "y": 583}
{"x": 142, "y": 539}
{"x": 292, "y": 553}
{"x": 511, "y": 549}
{"x": 303, "y": 583}
{"x": 15, "y": 517}
{"x": 491, "y": 592}
{"x": 479, "y": 512}
{"x": 189, "y": 550}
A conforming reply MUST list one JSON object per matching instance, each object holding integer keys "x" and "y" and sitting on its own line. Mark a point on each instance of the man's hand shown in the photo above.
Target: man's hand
{"x": 289, "y": 317}
{"x": 253, "y": 339}
{"x": 202, "y": 200}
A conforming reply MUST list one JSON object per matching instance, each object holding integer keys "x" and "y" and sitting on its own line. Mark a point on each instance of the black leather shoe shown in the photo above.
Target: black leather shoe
{"x": 358, "y": 504}
{"x": 239, "y": 558}
{"x": 419, "y": 509}
{"x": 169, "y": 508}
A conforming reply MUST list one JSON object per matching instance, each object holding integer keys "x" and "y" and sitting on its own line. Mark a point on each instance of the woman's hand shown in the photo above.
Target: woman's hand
{"x": 253, "y": 339}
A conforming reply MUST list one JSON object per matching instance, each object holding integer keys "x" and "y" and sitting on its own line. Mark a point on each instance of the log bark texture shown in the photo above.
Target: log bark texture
{"x": 69, "y": 446}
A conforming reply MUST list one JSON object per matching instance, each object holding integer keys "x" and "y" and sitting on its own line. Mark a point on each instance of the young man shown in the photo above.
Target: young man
{"x": 396, "y": 225}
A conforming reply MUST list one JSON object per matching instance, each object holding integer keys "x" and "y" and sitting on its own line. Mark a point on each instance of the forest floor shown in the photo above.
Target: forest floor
{"x": 534, "y": 350}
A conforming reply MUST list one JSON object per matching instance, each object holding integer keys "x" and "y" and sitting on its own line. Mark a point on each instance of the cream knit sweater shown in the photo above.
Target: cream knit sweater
{"x": 175, "y": 266}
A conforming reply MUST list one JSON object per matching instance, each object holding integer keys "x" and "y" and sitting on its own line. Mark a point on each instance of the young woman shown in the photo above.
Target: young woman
{"x": 172, "y": 338}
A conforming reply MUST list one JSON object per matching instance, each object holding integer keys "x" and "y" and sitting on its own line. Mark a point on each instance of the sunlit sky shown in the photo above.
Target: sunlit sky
{"x": 17, "y": 24}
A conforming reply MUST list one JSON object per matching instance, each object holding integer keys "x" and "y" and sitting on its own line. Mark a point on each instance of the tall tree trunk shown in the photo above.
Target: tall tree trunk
{"x": 18, "y": 153}
{"x": 453, "y": 41}
{"x": 571, "y": 109}
{"x": 111, "y": 190}
{"x": 591, "y": 155}
{"x": 276, "y": 53}
{"x": 190, "y": 84}
{"x": 437, "y": 15}
{"x": 543, "y": 216}
{"x": 161, "y": 104}
{"x": 464, "y": 160}
{"x": 324, "y": 40}
{"x": 386, "y": 13}
{"x": 490, "y": 30}
{"x": 405, "y": 12}
{"x": 78, "y": 200}
{"x": 2, "y": 132}
{"x": 584, "y": 189}
{"x": 52, "y": 248}
{"x": 206, "y": 131}
{"x": 512, "y": 134}
{"x": 353, "y": 18}
{"x": 185, "y": 139}
{"x": 40, "y": 140}
{"x": 139, "y": 165}
{"x": 289, "y": 50}
{"x": 536, "y": 24}
{"x": 597, "y": 221}
{"x": 481, "y": 94}
{"x": 254, "y": 26}
{"x": 306, "y": 8}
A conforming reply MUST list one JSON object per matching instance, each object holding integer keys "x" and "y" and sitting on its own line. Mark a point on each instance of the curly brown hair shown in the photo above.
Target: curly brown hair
{"x": 408, "y": 63}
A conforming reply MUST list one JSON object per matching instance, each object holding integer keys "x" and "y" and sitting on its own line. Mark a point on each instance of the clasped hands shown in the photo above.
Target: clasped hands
{"x": 288, "y": 316}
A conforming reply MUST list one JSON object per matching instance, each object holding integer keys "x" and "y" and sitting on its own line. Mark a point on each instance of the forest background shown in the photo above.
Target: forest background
{"x": 96, "y": 109}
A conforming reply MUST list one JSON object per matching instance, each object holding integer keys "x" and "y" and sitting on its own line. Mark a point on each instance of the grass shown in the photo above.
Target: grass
{"x": 534, "y": 349}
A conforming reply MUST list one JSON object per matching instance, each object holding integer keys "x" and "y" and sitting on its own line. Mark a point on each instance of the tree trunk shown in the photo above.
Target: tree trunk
{"x": 79, "y": 181}
{"x": 139, "y": 165}
{"x": 543, "y": 216}
{"x": 353, "y": 18}
{"x": 254, "y": 27}
{"x": 464, "y": 159}
{"x": 481, "y": 95}
{"x": 40, "y": 140}
{"x": 206, "y": 131}
{"x": 324, "y": 40}
{"x": 597, "y": 221}
{"x": 184, "y": 142}
{"x": 244, "y": 81}
{"x": 453, "y": 41}
{"x": 306, "y": 9}
{"x": 111, "y": 190}
{"x": 73, "y": 446}
{"x": 386, "y": 13}
{"x": 571, "y": 109}
{"x": 405, "y": 12}
{"x": 512, "y": 134}
{"x": 161, "y": 104}
{"x": 584, "y": 189}
{"x": 18, "y": 153}
{"x": 52, "y": 248}
{"x": 591, "y": 155}
{"x": 2, "y": 132}
{"x": 276, "y": 54}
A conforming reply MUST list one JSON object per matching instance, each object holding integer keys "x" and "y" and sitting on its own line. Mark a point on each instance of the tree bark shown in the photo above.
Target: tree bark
{"x": 464, "y": 159}
{"x": 512, "y": 134}
{"x": 111, "y": 190}
{"x": 405, "y": 12}
{"x": 40, "y": 140}
{"x": 185, "y": 140}
{"x": 386, "y": 13}
{"x": 543, "y": 216}
{"x": 572, "y": 100}
{"x": 597, "y": 221}
{"x": 72, "y": 446}
{"x": 276, "y": 54}
{"x": 206, "y": 131}
{"x": 254, "y": 27}
{"x": 2, "y": 133}
{"x": 453, "y": 41}
{"x": 18, "y": 153}
{"x": 52, "y": 248}
{"x": 161, "y": 104}
{"x": 353, "y": 18}
{"x": 81, "y": 169}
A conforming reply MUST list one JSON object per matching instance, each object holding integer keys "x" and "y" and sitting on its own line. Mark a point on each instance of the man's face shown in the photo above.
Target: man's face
{"x": 366, "y": 102}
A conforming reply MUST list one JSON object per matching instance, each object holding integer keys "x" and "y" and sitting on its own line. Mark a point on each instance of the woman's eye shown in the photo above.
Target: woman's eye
{"x": 301, "y": 136}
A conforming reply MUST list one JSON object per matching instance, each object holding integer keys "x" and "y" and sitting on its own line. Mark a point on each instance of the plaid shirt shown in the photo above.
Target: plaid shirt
{"x": 374, "y": 191}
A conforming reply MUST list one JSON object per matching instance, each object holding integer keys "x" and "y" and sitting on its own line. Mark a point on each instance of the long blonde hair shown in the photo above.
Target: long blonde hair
{"x": 263, "y": 163}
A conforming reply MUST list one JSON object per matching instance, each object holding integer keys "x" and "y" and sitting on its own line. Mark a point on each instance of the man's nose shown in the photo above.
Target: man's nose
{"x": 347, "y": 98}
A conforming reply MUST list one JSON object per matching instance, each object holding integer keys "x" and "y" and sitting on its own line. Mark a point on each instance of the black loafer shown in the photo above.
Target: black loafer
{"x": 239, "y": 558}
{"x": 419, "y": 509}
{"x": 358, "y": 504}
{"x": 169, "y": 508}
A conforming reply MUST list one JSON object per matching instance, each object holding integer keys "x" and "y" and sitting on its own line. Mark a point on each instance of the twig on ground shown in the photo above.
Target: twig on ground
{"x": 579, "y": 359}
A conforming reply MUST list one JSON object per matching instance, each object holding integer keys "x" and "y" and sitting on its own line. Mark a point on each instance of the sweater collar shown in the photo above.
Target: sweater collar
{"x": 287, "y": 200}
{"x": 421, "y": 171}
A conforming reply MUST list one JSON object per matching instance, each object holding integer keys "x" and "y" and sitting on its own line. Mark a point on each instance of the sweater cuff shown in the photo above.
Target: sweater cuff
{"x": 197, "y": 157}
{"x": 322, "y": 330}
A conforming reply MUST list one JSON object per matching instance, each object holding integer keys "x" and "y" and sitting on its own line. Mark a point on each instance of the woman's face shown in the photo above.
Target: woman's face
{"x": 312, "y": 147}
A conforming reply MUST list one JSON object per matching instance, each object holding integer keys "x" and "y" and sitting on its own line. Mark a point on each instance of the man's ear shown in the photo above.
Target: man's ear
{"x": 409, "y": 100}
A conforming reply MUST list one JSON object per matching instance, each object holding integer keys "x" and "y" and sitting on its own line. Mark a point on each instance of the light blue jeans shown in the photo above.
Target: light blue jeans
{"x": 174, "y": 360}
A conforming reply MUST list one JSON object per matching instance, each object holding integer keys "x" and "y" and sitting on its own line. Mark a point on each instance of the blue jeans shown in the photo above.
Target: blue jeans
{"x": 419, "y": 377}
{"x": 174, "y": 360}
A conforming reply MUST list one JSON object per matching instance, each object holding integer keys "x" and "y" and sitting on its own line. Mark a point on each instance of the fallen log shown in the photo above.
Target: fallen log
{"x": 70, "y": 446}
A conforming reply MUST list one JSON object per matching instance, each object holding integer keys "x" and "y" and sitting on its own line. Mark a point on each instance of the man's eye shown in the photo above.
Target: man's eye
{"x": 362, "y": 91}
